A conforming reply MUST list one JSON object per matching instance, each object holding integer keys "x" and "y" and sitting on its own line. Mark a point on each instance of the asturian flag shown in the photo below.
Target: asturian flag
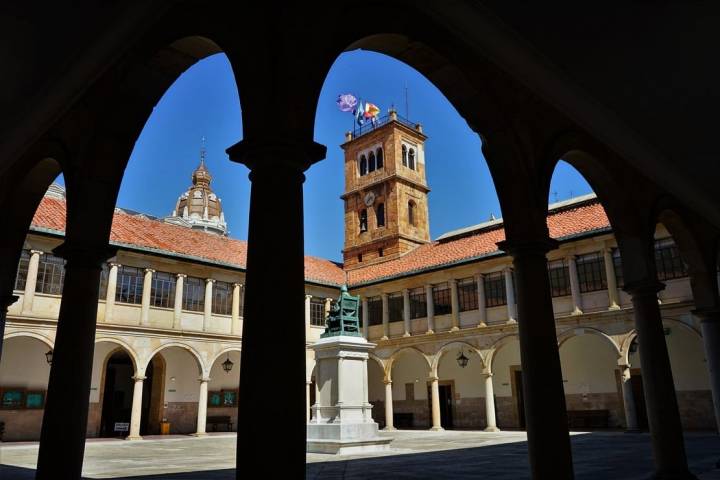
{"x": 359, "y": 113}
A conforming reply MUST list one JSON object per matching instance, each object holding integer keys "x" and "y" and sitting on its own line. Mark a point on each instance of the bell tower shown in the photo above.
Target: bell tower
{"x": 386, "y": 210}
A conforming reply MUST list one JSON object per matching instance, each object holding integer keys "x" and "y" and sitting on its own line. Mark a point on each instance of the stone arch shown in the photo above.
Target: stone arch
{"x": 194, "y": 353}
{"x": 378, "y": 360}
{"x": 220, "y": 354}
{"x": 448, "y": 346}
{"x": 573, "y": 332}
{"x": 37, "y": 336}
{"x": 632, "y": 335}
{"x": 497, "y": 346}
{"x": 393, "y": 358}
{"x": 126, "y": 347}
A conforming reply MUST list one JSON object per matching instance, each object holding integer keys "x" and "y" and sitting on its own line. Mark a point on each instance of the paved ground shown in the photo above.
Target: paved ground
{"x": 415, "y": 455}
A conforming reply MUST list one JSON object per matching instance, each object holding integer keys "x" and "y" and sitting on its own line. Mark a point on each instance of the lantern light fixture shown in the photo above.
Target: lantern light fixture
{"x": 227, "y": 365}
{"x": 49, "y": 357}
{"x": 462, "y": 360}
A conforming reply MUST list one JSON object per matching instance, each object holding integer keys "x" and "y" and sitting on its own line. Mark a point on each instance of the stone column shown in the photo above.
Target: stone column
{"x": 207, "y": 311}
{"x": 365, "y": 316}
{"x": 490, "y": 404}
{"x": 660, "y": 401}
{"x": 389, "y": 423}
{"x": 545, "y": 414}
{"x": 177, "y": 314}
{"x": 202, "y": 407}
{"x": 31, "y": 282}
{"x": 274, "y": 250}
{"x": 136, "y": 412}
{"x": 235, "y": 327}
{"x": 308, "y": 386}
{"x": 454, "y": 306}
{"x": 62, "y": 440}
{"x": 430, "y": 307}
{"x": 435, "y": 404}
{"x": 406, "y": 312}
{"x": 710, "y": 325}
{"x": 110, "y": 293}
{"x": 631, "y": 424}
{"x": 574, "y": 287}
{"x": 147, "y": 290}
{"x": 510, "y": 296}
{"x": 480, "y": 282}
{"x": 307, "y": 317}
{"x": 613, "y": 299}
{"x": 385, "y": 316}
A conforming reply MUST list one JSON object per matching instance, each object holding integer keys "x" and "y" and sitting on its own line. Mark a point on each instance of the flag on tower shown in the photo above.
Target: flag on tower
{"x": 346, "y": 102}
{"x": 359, "y": 113}
{"x": 371, "y": 110}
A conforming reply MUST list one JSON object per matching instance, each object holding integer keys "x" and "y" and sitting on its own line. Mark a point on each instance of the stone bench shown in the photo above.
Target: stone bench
{"x": 216, "y": 420}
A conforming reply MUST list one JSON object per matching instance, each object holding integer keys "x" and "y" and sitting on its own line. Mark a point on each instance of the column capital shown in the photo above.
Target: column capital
{"x": 204, "y": 379}
{"x": 406, "y": 291}
{"x": 452, "y": 281}
{"x": 308, "y": 297}
{"x": 149, "y": 270}
{"x": 238, "y": 285}
{"x": 645, "y": 287}
{"x": 139, "y": 378}
{"x": 209, "y": 280}
{"x": 85, "y": 255}
{"x": 433, "y": 378}
{"x": 384, "y": 296}
{"x": 528, "y": 247}
{"x": 479, "y": 276}
{"x": 272, "y": 153}
{"x": 114, "y": 264}
{"x": 181, "y": 275}
{"x": 486, "y": 374}
{"x": 387, "y": 382}
{"x": 35, "y": 251}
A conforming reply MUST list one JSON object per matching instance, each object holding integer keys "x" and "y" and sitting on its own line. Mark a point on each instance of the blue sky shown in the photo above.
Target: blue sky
{"x": 204, "y": 102}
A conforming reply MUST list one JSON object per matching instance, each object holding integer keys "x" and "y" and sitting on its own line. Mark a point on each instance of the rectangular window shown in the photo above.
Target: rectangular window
{"x": 375, "y": 311}
{"x": 395, "y": 307}
{"x": 668, "y": 262}
{"x": 495, "y": 294}
{"x": 559, "y": 278}
{"x": 222, "y": 298}
{"x": 129, "y": 285}
{"x": 591, "y": 272}
{"x": 317, "y": 312}
{"x": 51, "y": 275}
{"x": 22, "y": 271}
{"x": 418, "y": 303}
{"x": 104, "y": 272}
{"x": 194, "y": 294}
{"x": 617, "y": 263}
{"x": 467, "y": 294}
{"x": 441, "y": 299}
{"x": 162, "y": 290}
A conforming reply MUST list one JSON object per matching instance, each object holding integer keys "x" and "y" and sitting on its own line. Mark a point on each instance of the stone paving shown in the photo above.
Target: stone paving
{"x": 414, "y": 455}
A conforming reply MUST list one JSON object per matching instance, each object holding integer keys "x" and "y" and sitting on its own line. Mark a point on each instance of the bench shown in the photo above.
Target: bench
{"x": 220, "y": 420}
{"x": 588, "y": 418}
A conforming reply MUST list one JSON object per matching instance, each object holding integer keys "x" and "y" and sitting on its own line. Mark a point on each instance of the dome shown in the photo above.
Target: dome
{"x": 199, "y": 208}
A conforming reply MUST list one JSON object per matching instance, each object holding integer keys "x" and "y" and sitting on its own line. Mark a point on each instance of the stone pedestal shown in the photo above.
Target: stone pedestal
{"x": 341, "y": 417}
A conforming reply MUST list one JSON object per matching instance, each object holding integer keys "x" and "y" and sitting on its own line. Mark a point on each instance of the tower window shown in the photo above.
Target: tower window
{"x": 380, "y": 252}
{"x": 411, "y": 212}
{"x": 379, "y": 158}
{"x": 363, "y": 165}
{"x": 404, "y": 156}
{"x": 411, "y": 159}
{"x": 363, "y": 220}
{"x": 359, "y": 257}
{"x": 371, "y": 162}
{"x": 380, "y": 214}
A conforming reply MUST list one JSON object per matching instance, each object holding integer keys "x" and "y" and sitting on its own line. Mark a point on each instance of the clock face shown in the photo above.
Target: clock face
{"x": 369, "y": 198}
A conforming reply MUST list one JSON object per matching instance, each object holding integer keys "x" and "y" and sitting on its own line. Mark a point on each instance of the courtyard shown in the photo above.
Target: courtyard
{"x": 414, "y": 454}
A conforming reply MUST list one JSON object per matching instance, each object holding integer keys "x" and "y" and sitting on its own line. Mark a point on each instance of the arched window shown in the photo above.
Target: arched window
{"x": 380, "y": 158}
{"x": 380, "y": 215}
{"x": 411, "y": 212}
{"x": 363, "y": 220}
{"x": 404, "y": 156}
{"x": 363, "y": 165}
{"x": 371, "y": 162}
{"x": 411, "y": 159}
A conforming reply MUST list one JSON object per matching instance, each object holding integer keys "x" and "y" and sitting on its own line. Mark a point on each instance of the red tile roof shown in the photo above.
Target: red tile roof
{"x": 136, "y": 231}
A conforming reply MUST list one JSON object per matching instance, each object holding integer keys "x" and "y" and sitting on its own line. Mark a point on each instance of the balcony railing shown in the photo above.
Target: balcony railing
{"x": 369, "y": 126}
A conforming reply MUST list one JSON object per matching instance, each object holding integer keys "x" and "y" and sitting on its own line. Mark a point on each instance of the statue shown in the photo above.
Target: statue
{"x": 343, "y": 318}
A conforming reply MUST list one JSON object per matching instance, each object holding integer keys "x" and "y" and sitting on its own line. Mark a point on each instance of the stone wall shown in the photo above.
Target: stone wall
{"x": 469, "y": 412}
{"x": 21, "y": 425}
{"x": 696, "y": 409}
{"x": 599, "y": 401}
{"x": 506, "y": 413}
{"x": 182, "y": 417}
{"x": 94, "y": 418}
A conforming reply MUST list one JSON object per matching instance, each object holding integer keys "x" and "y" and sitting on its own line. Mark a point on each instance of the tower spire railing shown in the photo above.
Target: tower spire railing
{"x": 369, "y": 126}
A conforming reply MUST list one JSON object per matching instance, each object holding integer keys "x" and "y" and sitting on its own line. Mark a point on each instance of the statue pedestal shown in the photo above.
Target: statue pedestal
{"x": 341, "y": 417}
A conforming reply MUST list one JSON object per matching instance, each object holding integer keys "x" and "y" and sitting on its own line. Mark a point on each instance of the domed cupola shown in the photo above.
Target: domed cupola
{"x": 199, "y": 208}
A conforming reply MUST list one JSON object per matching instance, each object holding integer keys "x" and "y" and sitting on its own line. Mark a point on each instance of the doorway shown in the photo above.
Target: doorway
{"x": 639, "y": 396}
{"x": 519, "y": 398}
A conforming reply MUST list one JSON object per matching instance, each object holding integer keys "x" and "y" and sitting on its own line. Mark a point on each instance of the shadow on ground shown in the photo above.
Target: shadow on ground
{"x": 596, "y": 456}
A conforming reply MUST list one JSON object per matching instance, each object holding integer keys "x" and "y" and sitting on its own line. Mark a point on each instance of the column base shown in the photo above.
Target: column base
{"x": 133, "y": 438}
{"x": 614, "y": 306}
{"x": 389, "y": 429}
{"x": 406, "y": 334}
{"x": 481, "y": 325}
{"x": 384, "y": 337}
{"x": 511, "y": 321}
{"x": 437, "y": 429}
{"x": 430, "y": 332}
{"x": 577, "y": 311}
{"x": 454, "y": 329}
{"x": 491, "y": 429}
{"x": 199, "y": 434}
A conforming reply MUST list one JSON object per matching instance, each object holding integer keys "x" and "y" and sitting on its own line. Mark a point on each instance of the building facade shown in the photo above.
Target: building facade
{"x": 442, "y": 313}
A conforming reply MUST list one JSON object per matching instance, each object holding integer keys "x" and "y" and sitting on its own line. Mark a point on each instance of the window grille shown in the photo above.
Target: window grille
{"x": 317, "y": 312}
{"x": 495, "y": 294}
{"x": 441, "y": 299}
{"x": 395, "y": 307}
{"x": 194, "y": 294}
{"x": 467, "y": 294}
{"x": 375, "y": 311}
{"x": 591, "y": 272}
{"x": 129, "y": 285}
{"x": 559, "y": 276}
{"x": 51, "y": 275}
{"x": 222, "y": 298}
{"x": 22, "y": 270}
{"x": 162, "y": 290}
{"x": 418, "y": 303}
{"x": 668, "y": 262}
